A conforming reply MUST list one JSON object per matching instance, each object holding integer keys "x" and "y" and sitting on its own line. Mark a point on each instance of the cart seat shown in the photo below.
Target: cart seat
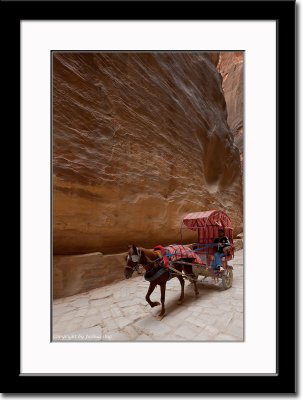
{"x": 207, "y": 255}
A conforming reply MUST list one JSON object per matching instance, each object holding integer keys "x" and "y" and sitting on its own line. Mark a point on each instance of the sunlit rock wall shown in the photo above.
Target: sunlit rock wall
{"x": 230, "y": 66}
{"x": 139, "y": 139}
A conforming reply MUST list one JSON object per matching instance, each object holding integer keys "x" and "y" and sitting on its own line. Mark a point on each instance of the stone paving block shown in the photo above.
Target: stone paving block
{"x": 203, "y": 336}
{"x": 143, "y": 285}
{"x": 86, "y": 335}
{"x": 187, "y": 331}
{"x": 238, "y": 285}
{"x": 213, "y": 331}
{"x": 196, "y": 308}
{"x": 140, "y": 296}
{"x": 225, "y": 306}
{"x": 131, "y": 332}
{"x": 69, "y": 326}
{"x": 70, "y": 299}
{"x": 238, "y": 315}
{"x": 100, "y": 302}
{"x": 82, "y": 312}
{"x": 223, "y": 321}
{"x": 209, "y": 303}
{"x": 69, "y": 316}
{"x": 115, "y": 312}
{"x": 92, "y": 321}
{"x": 197, "y": 322}
{"x": 130, "y": 302}
{"x": 116, "y": 336}
{"x": 144, "y": 338}
{"x": 124, "y": 292}
{"x": 62, "y": 309}
{"x": 172, "y": 337}
{"x": 93, "y": 310}
{"x": 237, "y": 294}
{"x": 208, "y": 319}
{"x": 210, "y": 311}
{"x": 123, "y": 321}
{"x": 225, "y": 338}
{"x": 172, "y": 322}
{"x": 110, "y": 324}
{"x": 57, "y": 328}
{"x": 100, "y": 293}
{"x": 181, "y": 312}
{"x": 235, "y": 328}
{"x": 104, "y": 313}
{"x": 151, "y": 325}
{"x": 144, "y": 307}
{"x": 208, "y": 333}
{"x": 133, "y": 310}
{"x": 56, "y": 319}
{"x": 235, "y": 303}
{"x": 82, "y": 302}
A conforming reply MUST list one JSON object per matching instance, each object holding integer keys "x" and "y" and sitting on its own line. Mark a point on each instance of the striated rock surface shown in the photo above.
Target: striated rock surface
{"x": 230, "y": 66}
{"x": 81, "y": 273}
{"x": 139, "y": 139}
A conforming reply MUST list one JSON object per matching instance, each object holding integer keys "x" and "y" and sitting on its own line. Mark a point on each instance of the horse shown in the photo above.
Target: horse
{"x": 149, "y": 259}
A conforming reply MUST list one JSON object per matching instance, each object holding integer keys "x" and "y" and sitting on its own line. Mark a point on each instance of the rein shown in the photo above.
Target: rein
{"x": 168, "y": 255}
{"x": 204, "y": 246}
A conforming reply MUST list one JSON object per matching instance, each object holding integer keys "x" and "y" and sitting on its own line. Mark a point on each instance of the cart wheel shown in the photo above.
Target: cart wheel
{"x": 227, "y": 280}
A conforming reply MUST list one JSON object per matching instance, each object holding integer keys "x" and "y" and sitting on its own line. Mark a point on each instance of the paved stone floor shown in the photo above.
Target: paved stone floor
{"x": 119, "y": 312}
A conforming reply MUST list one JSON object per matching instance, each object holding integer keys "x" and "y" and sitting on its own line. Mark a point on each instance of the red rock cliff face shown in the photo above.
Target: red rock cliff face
{"x": 230, "y": 66}
{"x": 139, "y": 139}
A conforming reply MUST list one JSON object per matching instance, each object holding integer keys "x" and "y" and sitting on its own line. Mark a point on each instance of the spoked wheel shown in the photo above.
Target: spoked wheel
{"x": 227, "y": 279}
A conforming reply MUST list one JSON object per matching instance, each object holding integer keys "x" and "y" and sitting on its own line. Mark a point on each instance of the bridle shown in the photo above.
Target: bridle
{"x": 135, "y": 258}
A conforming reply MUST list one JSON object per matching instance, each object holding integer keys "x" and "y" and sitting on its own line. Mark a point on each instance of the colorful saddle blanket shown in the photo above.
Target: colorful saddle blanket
{"x": 175, "y": 252}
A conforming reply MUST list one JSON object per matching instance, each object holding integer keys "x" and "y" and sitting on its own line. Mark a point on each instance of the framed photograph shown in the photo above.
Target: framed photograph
{"x": 151, "y": 145}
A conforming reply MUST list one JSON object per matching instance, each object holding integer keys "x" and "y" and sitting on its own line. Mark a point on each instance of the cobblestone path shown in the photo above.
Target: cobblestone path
{"x": 119, "y": 312}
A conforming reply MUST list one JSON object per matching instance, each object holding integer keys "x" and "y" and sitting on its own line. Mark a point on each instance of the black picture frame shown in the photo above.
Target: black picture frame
{"x": 284, "y": 381}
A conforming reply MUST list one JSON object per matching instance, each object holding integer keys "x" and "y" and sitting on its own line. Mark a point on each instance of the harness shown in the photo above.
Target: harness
{"x": 164, "y": 255}
{"x": 152, "y": 277}
{"x": 166, "y": 267}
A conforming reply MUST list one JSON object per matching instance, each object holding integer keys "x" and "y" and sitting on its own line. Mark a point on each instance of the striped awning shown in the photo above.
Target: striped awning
{"x": 206, "y": 218}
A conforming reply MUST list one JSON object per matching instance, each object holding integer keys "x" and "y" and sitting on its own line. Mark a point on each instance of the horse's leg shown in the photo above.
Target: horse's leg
{"x": 162, "y": 313}
{"x": 195, "y": 287}
{"x": 181, "y": 280}
{"x": 194, "y": 282}
{"x": 151, "y": 288}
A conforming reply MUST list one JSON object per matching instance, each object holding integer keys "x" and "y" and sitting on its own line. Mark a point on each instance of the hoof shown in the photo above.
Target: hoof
{"x": 179, "y": 302}
{"x": 197, "y": 294}
{"x": 160, "y": 317}
{"x": 156, "y": 303}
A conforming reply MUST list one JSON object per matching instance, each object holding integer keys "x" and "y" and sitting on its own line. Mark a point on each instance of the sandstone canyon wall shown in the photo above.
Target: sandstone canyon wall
{"x": 230, "y": 65}
{"x": 139, "y": 139}
{"x": 80, "y": 273}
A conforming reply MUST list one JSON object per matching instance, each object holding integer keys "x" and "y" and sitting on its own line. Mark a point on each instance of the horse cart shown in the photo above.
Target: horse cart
{"x": 206, "y": 224}
{"x": 186, "y": 261}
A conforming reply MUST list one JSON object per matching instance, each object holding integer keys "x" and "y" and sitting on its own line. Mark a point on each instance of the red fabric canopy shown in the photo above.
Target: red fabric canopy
{"x": 206, "y": 218}
{"x": 207, "y": 224}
